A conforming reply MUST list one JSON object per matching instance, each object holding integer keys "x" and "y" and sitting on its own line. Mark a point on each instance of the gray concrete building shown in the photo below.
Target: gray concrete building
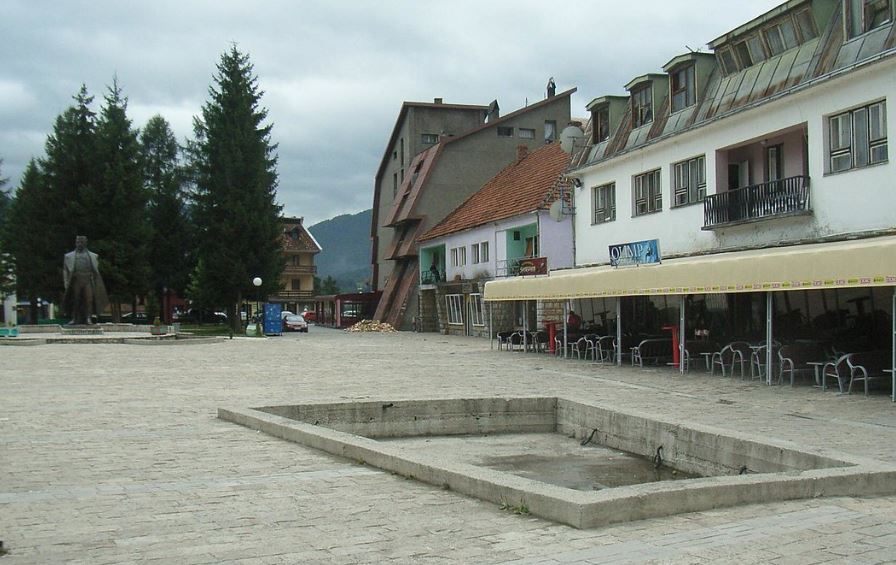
{"x": 425, "y": 175}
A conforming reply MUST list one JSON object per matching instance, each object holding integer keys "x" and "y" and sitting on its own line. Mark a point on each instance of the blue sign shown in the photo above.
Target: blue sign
{"x": 273, "y": 322}
{"x": 635, "y": 253}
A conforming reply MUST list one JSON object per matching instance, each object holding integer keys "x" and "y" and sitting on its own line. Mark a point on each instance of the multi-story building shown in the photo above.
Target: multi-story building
{"x": 752, "y": 169}
{"x": 425, "y": 175}
{"x": 297, "y": 280}
{"x": 518, "y": 222}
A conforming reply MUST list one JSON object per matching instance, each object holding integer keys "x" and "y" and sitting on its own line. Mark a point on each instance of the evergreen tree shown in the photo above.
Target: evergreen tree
{"x": 115, "y": 204}
{"x": 234, "y": 163}
{"x": 68, "y": 173}
{"x": 7, "y": 271}
{"x": 170, "y": 254}
{"x": 31, "y": 242}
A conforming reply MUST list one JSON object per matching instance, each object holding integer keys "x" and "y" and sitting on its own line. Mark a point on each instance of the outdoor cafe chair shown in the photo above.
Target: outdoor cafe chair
{"x": 503, "y": 340}
{"x": 605, "y": 349}
{"x": 735, "y": 353}
{"x": 757, "y": 361}
{"x": 799, "y": 358}
{"x": 867, "y": 367}
{"x": 838, "y": 369}
{"x": 540, "y": 341}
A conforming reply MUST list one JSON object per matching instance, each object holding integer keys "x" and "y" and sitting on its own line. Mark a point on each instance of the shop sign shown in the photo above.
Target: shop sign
{"x": 635, "y": 253}
{"x": 533, "y": 266}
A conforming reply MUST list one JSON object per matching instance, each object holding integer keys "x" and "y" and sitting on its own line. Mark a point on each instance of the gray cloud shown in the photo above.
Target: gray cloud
{"x": 334, "y": 72}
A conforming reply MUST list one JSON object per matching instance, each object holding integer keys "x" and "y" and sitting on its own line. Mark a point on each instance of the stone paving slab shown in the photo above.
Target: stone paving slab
{"x": 112, "y": 454}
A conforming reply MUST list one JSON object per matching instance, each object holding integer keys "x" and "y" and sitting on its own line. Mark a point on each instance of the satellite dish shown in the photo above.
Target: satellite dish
{"x": 556, "y": 211}
{"x": 569, "y": 136}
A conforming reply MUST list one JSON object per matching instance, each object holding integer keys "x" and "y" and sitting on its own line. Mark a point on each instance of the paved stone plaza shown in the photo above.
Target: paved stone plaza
{"x": 127, "y": 462}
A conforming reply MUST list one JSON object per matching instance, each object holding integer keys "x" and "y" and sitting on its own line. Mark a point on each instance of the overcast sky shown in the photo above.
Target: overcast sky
{"x": 334, "y": 72}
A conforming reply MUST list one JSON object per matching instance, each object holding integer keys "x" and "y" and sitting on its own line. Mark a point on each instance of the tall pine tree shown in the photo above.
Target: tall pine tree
{"x": 236, "y": 185}
{"x": 31, "y": 241}
{"x": 115, "y": 204}
{"x": 170, "y": 255}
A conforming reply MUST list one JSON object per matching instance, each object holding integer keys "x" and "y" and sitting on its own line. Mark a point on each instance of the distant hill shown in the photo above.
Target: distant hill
{"x": 346, "y": 249}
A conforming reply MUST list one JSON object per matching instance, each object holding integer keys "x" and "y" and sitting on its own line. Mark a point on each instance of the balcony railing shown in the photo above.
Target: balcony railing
{"x": 784, "y": 197}
{"x": 429, "y": 277}
{"x": 300, "y": 270}
{"x": 509, "y": 267}
{"x": 292, "y": 295}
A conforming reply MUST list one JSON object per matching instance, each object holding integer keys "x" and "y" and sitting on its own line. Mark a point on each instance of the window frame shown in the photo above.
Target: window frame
{"x": 552, "y": 126}
{"x": 429, "y": 138}
{"x": 474, "y": 253}
{"x": 476, "y": 310}
{"x": 857, "y": 27}
{"x": 642, "y": 106}
{"x": 504, "y": 131}
{"x": 607, "y": 212}
{"x": 653, "y": 197}
{"x": 529, "y": 133}
{"x": 601, "y": 124}
{"x": 694, "y": 190}
{"x": 483, "y": 252}
{"x": 688, "y": 87}
{"x": 847, "y": 143}
{"x": 455, "y": 309}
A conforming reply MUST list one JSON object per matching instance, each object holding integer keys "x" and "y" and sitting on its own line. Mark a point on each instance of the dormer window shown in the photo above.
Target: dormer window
{"x": 863, "y": 16}
{"x": 750, "y": 51}
{"x": 781, "y": 37}
{"x": 683, "y": 91}
{"x": 601, "y": 124}
{"x": 642, "y": 106}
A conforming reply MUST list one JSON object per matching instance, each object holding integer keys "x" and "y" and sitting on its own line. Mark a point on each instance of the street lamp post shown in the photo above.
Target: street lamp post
{"x": 257, "y": 282}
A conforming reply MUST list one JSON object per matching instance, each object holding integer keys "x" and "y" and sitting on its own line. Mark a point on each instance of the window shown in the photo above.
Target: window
{"x": 550, "y": 130}
{"x": 458, "y": 256}
{"x": 781, "y": 36}
{"x": 774, "y": 163}
{"x": 648, "y": 197}
{"x": 858, "y": 138}
{"x": 689, "y": 181}
{"x": 750, "y": 51}
{"x": 476, "y": 317}
{"x": 505, "y": 132}
{"x": 863, "y": 16}
{"x": 726, "y": 56}
{"x": 454, "y": 302}
{"x": 429, "y": 138}
{"x": 601, "y": 125}
{"x": 394, "y": 184}
{"x": 603, "y": 203}
{"x": 683, "y": 91}
{"x": 526, "y": 133}
{"x": 642, "y": 107}
{"x": 479, "y": 252}
{"x": 402, "y": 156}
{"x": 806, "y": 25}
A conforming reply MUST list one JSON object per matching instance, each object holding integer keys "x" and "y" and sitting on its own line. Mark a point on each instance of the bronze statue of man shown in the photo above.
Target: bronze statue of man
{"x": 85, "y": 293}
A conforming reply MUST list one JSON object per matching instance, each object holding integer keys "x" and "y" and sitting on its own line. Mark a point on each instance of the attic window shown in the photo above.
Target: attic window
{"x": 863, "y": 16}
{"x": 642, "y": 106}
{"x": 505, "y": 132}
{"x": 683, "y": 90}
{"x": 781, "y": 37}
{"x": 601, "y": 124}
{"x": 429, "y": 138}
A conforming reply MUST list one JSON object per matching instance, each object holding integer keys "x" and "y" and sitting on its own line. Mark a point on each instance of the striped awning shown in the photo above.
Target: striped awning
{"x": 857, "y": 263}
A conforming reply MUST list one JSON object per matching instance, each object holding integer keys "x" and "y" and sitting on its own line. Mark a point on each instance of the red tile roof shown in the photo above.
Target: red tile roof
{"x": 523, "y": 186}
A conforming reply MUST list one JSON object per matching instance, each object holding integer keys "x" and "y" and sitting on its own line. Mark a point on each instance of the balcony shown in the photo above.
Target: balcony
{"x": 292, "y": 295}
{"x": 299, "y": 270}
{"x": 766, "y": 201}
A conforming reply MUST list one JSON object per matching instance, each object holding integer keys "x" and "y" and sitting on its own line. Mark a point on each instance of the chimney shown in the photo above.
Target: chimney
{"x": 494, "y": 112}
{"x": 552, "y": 88}
{"x": 521, "y": 152}
{"x": 436, "y": 100}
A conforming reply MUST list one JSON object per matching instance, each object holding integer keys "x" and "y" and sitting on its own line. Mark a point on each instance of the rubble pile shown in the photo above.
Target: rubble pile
{"x": 371, "y": 326}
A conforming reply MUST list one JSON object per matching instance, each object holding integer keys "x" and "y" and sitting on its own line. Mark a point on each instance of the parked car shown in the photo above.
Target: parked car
{"x": 285, "y": 313}
{"x": 295, "y": 323}
{"x": 309, "y": 316}
{"x": 201, "y": 316}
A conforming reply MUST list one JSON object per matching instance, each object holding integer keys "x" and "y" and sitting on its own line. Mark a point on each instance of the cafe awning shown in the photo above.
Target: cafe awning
{"x": 857, "y": 263}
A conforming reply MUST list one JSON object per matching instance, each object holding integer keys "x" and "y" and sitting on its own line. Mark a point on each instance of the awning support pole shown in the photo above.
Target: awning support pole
{"x": 491, "y": 330}
{"x": 893, "y": 351}
{"x": 619, "y": 331}
{"x": 565, "y": 317}
{"x": 769, "y": 313}
{"x": 682, "y": 362}
{"x": 525, "y": 325}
